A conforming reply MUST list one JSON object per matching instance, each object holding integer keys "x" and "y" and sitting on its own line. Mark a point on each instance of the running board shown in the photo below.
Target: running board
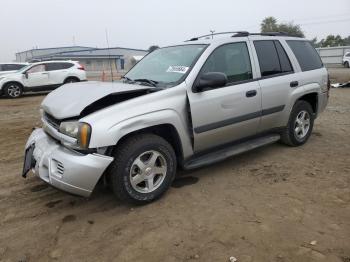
{"x": 227, "y": 152}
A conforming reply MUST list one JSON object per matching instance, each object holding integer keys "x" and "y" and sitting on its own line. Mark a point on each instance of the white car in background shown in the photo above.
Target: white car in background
{"x": 7, "y": 68}
{"x": 346, "y": 60}
{"x": 41, "y": 76}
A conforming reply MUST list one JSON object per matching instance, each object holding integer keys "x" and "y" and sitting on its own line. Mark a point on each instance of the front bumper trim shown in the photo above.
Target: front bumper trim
{"x": 66, "y": 169}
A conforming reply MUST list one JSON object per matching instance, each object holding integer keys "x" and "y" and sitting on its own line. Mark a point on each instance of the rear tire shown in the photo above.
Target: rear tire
{"x": 143, "y": 169}
{"x": 13, "y": 90}
{"x": 300, "y": 124}
{"x": 346, "y": 64}
{"x": 71, "y": 80}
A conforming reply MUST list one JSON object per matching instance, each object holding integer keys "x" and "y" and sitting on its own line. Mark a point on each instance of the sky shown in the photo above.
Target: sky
{"x": 27, "y": 24}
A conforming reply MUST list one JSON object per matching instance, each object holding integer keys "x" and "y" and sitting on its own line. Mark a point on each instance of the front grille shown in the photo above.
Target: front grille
{"x": 52, "y": 121}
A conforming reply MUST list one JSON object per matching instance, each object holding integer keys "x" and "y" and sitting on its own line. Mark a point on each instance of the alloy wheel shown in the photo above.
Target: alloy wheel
{"x": 302, "y": 125}
{"x": 14, "y": 90}
{"x": 148, "y": 171}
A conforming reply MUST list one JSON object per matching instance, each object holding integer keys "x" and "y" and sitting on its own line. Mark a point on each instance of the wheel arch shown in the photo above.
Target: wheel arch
{"x": 312, "y": 99}
{"x": 12, "y": 81}
{"x": 71, "y": 77}
{"x": 166, "y": 131}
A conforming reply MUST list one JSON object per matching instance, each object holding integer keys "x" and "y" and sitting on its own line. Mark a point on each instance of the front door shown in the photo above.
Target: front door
{"x": 37, "y": 77}
{"x": 231, "y": 112}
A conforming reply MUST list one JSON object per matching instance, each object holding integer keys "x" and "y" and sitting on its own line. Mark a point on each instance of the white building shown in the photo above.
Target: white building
{"x": 117, "y": 59}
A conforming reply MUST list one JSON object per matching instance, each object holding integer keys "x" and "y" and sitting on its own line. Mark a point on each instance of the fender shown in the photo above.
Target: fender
{"x": 11, "y": 81}
{"x": 101, "y": 137}
{"x": 298, "y": 93}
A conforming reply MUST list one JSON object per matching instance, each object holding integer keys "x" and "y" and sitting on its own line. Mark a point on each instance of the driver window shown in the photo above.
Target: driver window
{"x": 36, "y": 69}
{"x": 232, "y": 60}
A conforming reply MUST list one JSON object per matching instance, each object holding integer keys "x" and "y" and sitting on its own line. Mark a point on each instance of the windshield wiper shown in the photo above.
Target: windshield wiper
{"x": 148, "y": 81}
{"x": 127, "y": 78}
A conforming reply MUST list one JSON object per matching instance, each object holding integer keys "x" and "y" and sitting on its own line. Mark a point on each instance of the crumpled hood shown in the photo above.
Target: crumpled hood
{"x": 70, "y": 100}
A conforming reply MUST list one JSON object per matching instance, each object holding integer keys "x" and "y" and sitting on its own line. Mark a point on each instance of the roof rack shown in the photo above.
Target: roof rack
{"x": 241, "y": 34}
{"x": 221, "y": 33}
{"x": 272, "y": 34}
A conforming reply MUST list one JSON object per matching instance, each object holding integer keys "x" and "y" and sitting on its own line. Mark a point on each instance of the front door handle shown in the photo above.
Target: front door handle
{"x": 250, "y": 93}
{"x": 294, "y": 84}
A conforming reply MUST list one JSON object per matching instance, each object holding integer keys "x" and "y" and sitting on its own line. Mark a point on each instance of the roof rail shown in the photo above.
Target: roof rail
{"x": 272, "y": 34}
{"x": 221, "y": 33}
{"x": 241, "y": 34}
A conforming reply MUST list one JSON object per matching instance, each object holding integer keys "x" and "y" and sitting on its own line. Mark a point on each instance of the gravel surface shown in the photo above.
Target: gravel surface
{"x": 276, "y": 203}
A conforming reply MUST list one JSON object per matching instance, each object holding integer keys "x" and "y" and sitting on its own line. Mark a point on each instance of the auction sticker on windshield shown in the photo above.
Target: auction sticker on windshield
{"x": 177, "y": 69}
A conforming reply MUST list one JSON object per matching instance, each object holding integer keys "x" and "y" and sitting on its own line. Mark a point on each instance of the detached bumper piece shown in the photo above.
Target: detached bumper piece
{"x": 61, "y": 167}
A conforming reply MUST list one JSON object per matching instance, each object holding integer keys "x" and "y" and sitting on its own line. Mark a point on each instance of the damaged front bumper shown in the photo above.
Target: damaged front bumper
{"x": 63, "y": 168}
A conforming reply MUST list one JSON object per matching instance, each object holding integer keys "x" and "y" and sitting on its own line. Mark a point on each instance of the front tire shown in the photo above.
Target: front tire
{"x": 346, "y": 64}
{"x": 13, "y": 90}
{"x": 143, "y": 169}
{"x": 300, "y": 124}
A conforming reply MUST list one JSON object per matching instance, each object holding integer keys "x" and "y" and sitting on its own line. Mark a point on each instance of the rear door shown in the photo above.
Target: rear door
{"x": 277, "y": 79}
{"x": 58, "y": 72}
{"x": 37, "y": 77}
{"x": 231, "y": 112}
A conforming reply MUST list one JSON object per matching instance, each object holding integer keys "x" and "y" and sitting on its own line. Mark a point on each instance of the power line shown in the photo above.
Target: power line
{"x": 327, "y": 22}
{"x": 316, "y": 18}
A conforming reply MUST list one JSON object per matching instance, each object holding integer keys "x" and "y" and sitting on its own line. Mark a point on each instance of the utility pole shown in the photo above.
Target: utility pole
{"x": 109, "y": 55}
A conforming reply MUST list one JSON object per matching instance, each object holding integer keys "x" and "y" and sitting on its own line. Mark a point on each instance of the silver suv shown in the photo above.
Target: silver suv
{"x": 182, "y": 106}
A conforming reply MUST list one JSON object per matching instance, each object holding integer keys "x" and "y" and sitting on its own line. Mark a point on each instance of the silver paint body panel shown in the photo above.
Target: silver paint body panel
{"x": 179, "y": 107}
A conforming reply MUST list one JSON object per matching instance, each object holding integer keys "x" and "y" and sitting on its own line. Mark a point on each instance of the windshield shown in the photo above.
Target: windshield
{"x": 166, "y": 65}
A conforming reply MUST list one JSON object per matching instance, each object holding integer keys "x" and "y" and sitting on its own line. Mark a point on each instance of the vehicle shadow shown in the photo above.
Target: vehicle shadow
{"x": 26, "y": 95}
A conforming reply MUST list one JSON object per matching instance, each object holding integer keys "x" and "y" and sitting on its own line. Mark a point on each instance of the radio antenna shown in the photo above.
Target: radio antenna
{"x": 109, "y": 55}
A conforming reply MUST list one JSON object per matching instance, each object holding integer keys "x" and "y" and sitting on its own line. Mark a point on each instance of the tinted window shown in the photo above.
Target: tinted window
{"x": 11, "y": 67}
{"x": 231, "y": 59}
{"x": 306, "y": 55}
{"x": 284, "y": 60}
{"x": 348, "y": 55}
{"x": 58, "y": 66}
{"x": 272, "y": 58}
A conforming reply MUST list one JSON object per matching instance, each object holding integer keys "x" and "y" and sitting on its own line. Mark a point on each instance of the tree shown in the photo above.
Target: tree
{"x": 331, "y": 41}
{"x": 269, "y": 24}
{"x": 152, "y": 48}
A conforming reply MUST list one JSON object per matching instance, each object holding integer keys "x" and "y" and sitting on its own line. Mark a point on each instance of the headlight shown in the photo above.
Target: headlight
{"x": 80, "y": 131}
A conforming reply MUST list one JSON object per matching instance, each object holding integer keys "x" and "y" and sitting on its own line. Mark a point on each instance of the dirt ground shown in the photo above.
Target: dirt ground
{"x": 276, "y": 203}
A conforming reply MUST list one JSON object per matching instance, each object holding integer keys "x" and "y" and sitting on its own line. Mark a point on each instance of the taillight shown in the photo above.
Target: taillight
{"x": 81, "y": 67}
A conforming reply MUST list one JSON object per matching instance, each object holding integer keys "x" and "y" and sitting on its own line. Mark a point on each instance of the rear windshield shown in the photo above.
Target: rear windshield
{"x": 306, "y": 55}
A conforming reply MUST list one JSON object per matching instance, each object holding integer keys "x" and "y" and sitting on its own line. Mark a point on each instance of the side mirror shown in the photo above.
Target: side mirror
{"x": 210, "y": 80}
{"x": 25, "y": 74}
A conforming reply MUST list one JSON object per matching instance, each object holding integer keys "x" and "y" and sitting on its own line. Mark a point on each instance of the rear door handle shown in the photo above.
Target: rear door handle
{"x": 250, "y": 93}
{"x": 294, "y": 84}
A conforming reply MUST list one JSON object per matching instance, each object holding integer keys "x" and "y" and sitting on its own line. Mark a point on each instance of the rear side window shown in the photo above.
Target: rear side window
{"x": 273, "y": 60}
{"x": 11, "y": 67}
{"x": 58, "y": 66}
{"x": 306, "y": 55}
{"x": 232, "y": 60}
{"x": 284, "y": 60}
